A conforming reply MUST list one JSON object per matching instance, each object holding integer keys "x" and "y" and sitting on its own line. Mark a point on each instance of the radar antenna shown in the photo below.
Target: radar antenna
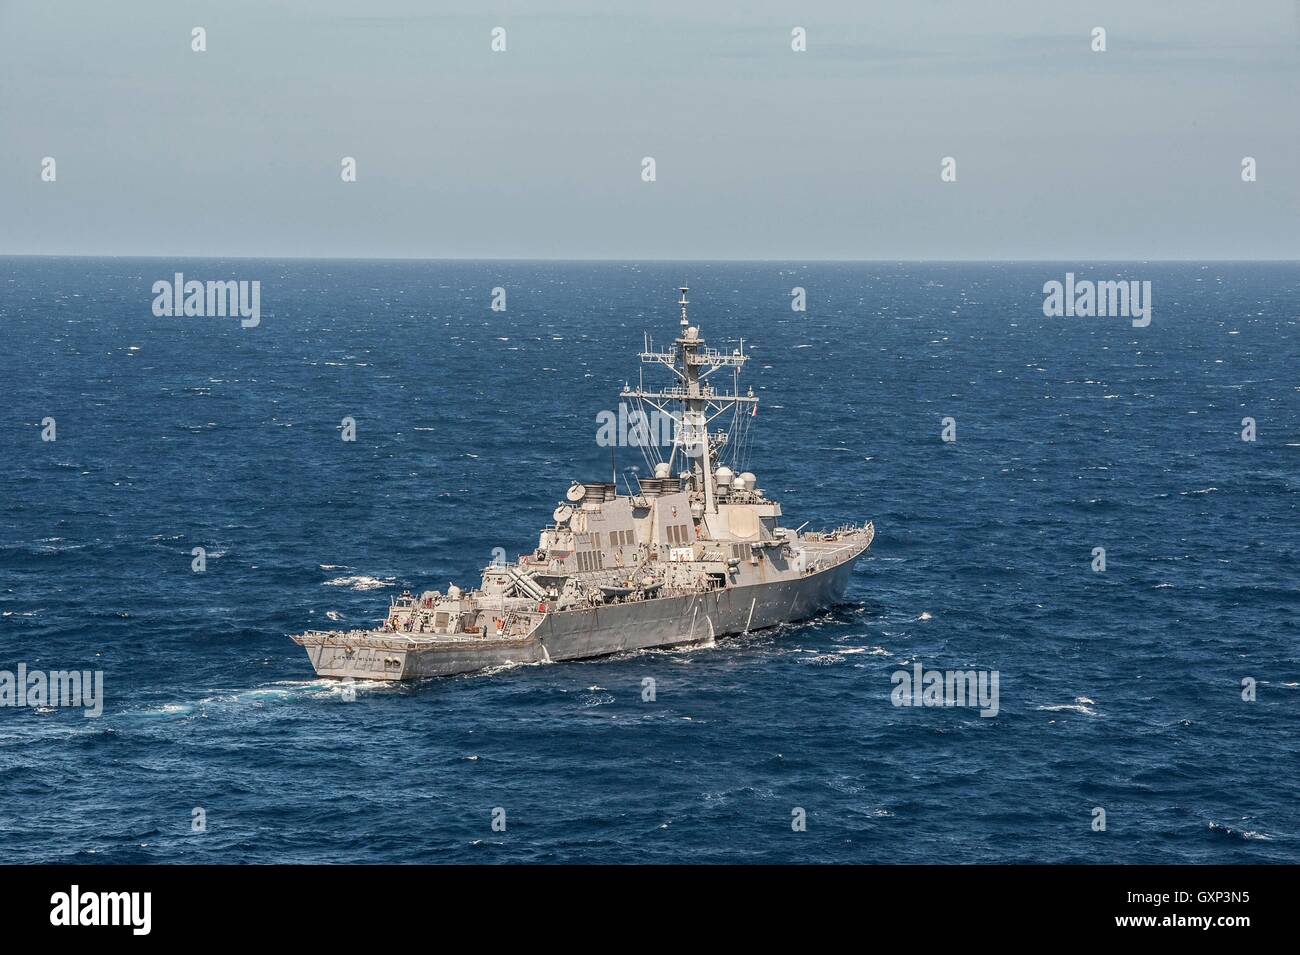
{"x": 691, "y": 404}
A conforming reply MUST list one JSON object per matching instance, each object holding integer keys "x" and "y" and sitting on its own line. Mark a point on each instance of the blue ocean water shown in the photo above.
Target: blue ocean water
{"x": 1120, "y": 690}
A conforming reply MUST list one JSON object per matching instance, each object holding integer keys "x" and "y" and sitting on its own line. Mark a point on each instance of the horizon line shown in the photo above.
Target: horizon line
{"x": 617, "y": 260}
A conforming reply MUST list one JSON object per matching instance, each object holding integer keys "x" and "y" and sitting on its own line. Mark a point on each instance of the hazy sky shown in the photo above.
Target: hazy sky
{"x": 761, "y": 152}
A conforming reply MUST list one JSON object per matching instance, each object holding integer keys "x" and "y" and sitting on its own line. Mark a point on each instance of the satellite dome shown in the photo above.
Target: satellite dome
{"x": 663, "y": 469}
{"x": 749, "y": 479}
{"x": 724, "y": 475}
{"x": 738, "y": 484}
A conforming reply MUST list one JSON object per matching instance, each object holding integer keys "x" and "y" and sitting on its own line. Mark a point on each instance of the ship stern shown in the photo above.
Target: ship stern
{"x": 354, "y": 660}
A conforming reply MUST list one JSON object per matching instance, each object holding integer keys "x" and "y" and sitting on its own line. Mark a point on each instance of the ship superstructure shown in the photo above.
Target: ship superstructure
{"x": 693, "y": 553}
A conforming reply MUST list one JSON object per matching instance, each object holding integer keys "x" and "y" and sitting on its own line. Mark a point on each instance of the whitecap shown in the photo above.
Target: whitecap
{"x": 168, "y": 709}
{"x": 360, "y": 582}
{"x": 822, "y": 659}
{"x": 1240, "y": 833}
{"x": 1069, "y": 708}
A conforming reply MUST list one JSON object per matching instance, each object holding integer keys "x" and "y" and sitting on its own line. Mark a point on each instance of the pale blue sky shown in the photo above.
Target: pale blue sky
{"x": 761, "y": 152}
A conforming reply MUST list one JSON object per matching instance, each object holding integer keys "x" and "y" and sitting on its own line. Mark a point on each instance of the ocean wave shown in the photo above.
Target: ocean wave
{"x": 227, "y": 701}
{"x": 360, "y": 582}
{"x": 166, "y": 710}
{"x": 1080, "y": 708}
{"x": 821, "y": 659}
{"x": 1244, "y": 834}
{"x": 497, "y": 668}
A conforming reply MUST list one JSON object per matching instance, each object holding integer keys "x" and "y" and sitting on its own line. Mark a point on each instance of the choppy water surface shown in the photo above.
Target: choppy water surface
{"x": 1119, "y": 690}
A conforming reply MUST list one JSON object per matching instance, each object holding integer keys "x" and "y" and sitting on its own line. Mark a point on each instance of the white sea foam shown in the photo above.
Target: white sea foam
{"x": 360, "y": 582}
{"x": 1069, "y": 708}
{"x": 822, "y": 659}
{"x": 501, "y": 668}
{"x": 1241, "y": 833}
{"x": 168, "y": 709}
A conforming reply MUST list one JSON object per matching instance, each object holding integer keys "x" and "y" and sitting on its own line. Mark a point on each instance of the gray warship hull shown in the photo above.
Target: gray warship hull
{"x": 683, "y": 620}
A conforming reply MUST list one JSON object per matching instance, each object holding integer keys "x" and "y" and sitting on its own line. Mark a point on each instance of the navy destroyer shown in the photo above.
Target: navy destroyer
{"x": 694, "y": 553}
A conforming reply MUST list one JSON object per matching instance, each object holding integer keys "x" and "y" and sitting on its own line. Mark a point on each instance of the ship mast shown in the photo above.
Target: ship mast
{"x": 692, "y": 403}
